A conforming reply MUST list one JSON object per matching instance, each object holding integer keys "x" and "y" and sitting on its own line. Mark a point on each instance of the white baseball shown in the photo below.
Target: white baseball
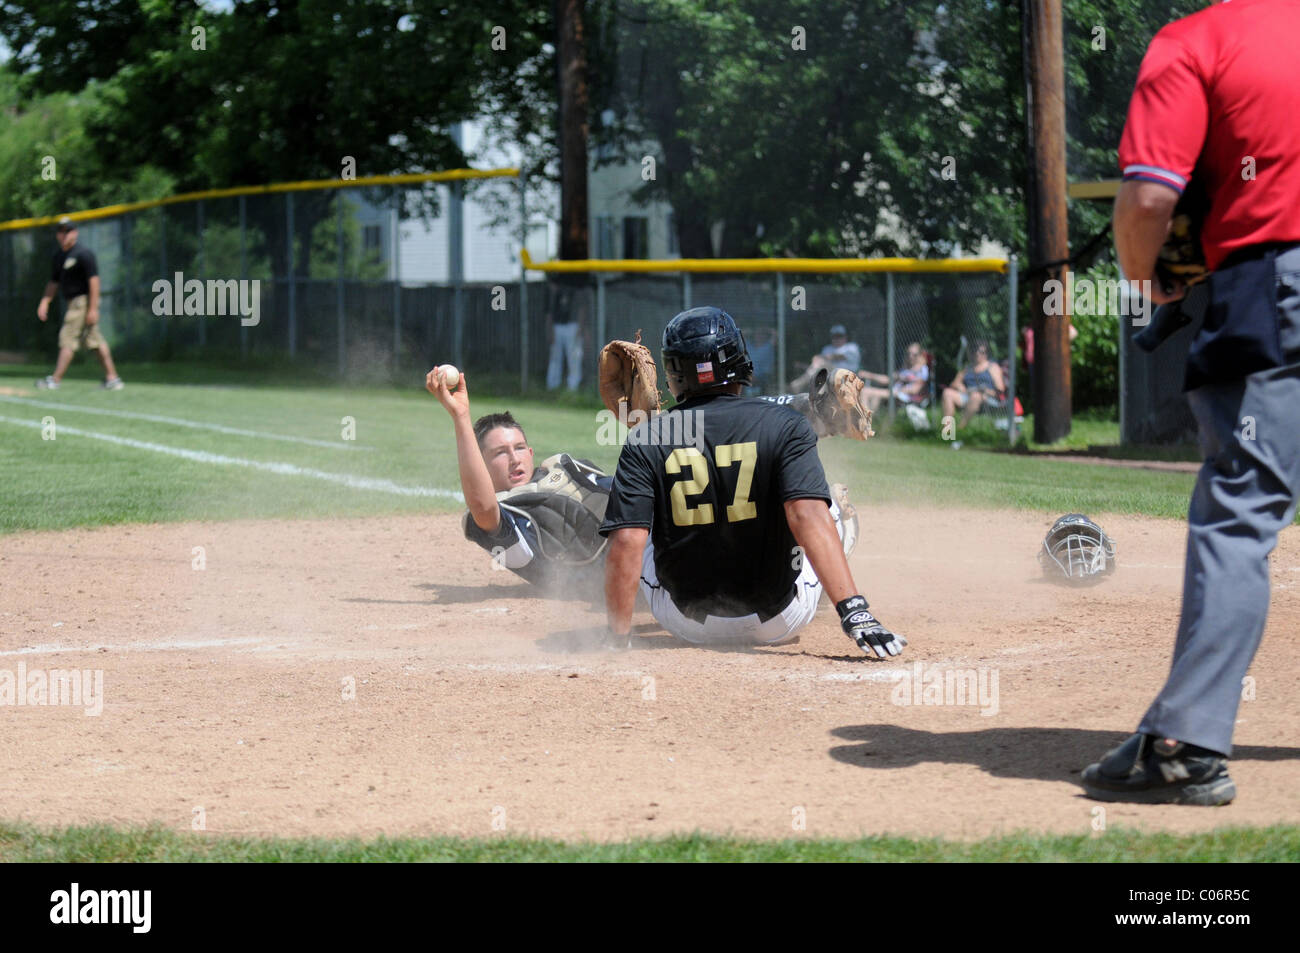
{"x": 450, "y": 376}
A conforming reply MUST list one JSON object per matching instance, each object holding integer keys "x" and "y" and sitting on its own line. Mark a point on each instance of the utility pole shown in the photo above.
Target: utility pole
{"x": 1042, "y": 42}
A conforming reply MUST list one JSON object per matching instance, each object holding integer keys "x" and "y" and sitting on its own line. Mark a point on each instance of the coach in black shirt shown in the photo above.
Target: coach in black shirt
{"x": 75, "y": 273}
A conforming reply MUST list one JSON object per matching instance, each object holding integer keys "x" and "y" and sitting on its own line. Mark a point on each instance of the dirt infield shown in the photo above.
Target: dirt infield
{"x": 477, "y": 709}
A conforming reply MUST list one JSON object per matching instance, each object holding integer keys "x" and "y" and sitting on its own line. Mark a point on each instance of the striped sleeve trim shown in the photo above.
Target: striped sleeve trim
{"x": 1153, "y": 173}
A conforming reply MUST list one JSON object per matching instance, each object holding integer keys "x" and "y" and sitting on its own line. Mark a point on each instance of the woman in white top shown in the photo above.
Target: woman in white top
{"x": 911, "y": 385}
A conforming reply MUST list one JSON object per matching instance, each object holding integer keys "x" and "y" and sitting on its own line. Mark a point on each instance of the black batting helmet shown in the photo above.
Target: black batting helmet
{"x": 703, "y": 348}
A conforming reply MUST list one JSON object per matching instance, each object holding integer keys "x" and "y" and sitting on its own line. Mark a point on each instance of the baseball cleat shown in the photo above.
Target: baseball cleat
{"x": 848, "y": 517}
{"x": 1146, "y": 769}
{"x": 47, "y": 383}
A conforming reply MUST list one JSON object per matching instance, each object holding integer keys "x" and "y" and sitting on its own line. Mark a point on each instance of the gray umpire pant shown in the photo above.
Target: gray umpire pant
{"x": 1245, "y": 494}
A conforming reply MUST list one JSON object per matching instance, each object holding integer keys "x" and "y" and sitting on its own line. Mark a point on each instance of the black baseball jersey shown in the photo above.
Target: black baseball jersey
{"x": 710, "y": 479}
{"x": 73, "y": 270}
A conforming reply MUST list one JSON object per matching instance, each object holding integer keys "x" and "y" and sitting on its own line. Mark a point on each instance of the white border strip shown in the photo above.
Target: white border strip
{"x": 284, "y": 469}
{"x": 179, "y": 422}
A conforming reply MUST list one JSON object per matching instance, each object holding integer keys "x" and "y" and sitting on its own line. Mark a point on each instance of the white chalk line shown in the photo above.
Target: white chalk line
{"x": 180, "y": 422}
{"x": 55, "y": 649}
{"x": 284, "y": 469}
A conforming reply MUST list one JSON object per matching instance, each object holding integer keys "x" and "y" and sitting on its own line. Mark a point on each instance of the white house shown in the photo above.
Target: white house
{"x": 489, "y": 249}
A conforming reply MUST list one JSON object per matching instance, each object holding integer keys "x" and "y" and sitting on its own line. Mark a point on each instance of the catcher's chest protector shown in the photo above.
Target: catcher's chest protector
{"x": 566, "y": 506}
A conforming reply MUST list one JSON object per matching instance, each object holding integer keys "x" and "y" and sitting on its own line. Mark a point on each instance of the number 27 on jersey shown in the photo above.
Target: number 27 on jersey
{"x": 744, "y": 455}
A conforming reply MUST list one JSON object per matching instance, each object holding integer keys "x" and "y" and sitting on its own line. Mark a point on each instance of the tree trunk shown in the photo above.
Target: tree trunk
{"x": 571, "y": 66}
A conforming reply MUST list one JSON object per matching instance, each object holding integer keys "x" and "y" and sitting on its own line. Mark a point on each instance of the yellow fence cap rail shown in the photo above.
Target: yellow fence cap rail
{"x": 1101, "y": 189}
{"x": 769, "y": 265}
{"x": 411, "y": 178}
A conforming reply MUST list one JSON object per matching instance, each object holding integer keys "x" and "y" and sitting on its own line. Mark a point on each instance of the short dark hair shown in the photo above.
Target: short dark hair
{"x": 489, "y": 422}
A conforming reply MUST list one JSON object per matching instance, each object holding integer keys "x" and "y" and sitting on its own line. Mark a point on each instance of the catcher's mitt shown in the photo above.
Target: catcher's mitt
{"x": 836, "y": 401}
{"x": 1181, "y": 259}
{"x": 628, "y": 373}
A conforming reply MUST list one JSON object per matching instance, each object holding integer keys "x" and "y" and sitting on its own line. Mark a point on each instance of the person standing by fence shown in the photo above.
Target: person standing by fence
{"x": 565, "y": 318}
{"x": 76, "y": 274}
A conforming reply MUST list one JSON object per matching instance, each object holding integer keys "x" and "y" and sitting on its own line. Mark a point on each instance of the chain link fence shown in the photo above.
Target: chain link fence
{"x": 787, "y": 319}
{"x": 363, "y": 282}
{"x": 368, "y": 283}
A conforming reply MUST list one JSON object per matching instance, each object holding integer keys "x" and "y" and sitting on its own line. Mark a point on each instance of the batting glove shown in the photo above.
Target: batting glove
{"x": 865, "y": 629}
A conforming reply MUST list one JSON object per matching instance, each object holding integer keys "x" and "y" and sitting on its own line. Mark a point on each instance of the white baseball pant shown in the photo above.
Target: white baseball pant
{"x": 747, "y": 629}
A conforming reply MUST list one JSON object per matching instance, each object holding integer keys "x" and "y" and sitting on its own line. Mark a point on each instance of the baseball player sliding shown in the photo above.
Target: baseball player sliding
{"x": 733, "y": 537}
{"x": 541, "y": 521}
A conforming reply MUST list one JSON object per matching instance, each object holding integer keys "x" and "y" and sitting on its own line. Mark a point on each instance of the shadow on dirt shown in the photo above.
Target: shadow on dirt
{"x": 1039, "y": 754}
{"x": 591, "y": 638}
{"x": 648, "y": 636}
{"x": 444, "y": 595}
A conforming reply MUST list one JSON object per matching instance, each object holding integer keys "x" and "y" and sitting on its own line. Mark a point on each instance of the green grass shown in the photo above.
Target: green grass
{"x": 25, "y": 843}
{"x": 403, "y": 436}
{"x": 924, "y": 474}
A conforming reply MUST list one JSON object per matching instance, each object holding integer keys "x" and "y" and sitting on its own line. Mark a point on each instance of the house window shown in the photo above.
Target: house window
{"x": 605, "y": 237}
{"x": 636, "y": 237}
{"x": 372, "y": 238}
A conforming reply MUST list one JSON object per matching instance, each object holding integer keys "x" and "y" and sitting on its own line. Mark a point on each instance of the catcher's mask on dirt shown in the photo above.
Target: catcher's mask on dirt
{"x": 1078, "y": 549}
{"x": 703, "y": 349}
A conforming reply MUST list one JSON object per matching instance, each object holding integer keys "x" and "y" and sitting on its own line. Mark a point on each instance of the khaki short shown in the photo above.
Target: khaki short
{"x": 75, "y": 333}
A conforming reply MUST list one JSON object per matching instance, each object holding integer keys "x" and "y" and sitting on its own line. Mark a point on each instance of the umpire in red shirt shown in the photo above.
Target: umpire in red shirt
{"x": 1218, "y": 100}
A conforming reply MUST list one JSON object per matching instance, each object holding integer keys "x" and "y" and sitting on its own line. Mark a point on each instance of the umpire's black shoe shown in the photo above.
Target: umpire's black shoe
{"x": 1150, "y": 770}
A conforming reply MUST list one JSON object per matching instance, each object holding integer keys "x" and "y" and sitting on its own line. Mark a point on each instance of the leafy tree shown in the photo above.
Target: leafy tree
{"x": 805, "y": 127}
{"x": 840, "y": 147}
{"x": 274, "y": 90}
{"x": 809, "y": 127}
{"x": 48, "y": 163}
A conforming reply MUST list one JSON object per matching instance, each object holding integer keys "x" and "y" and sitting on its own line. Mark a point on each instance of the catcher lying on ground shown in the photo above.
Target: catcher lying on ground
{"x": 541, "y": 521}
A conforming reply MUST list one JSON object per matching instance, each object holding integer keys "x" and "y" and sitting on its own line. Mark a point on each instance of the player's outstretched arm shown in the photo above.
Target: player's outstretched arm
{"x": 475, "y": 481}
{"x": 814, "y": 530}
{"x": 622, "y": 573}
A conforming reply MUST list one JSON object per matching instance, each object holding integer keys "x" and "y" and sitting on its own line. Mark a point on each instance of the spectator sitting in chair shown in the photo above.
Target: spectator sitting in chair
{"x": 911, "y": 384}
{"x": 841, "y": 352}
{"x": 972, "y": 388}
